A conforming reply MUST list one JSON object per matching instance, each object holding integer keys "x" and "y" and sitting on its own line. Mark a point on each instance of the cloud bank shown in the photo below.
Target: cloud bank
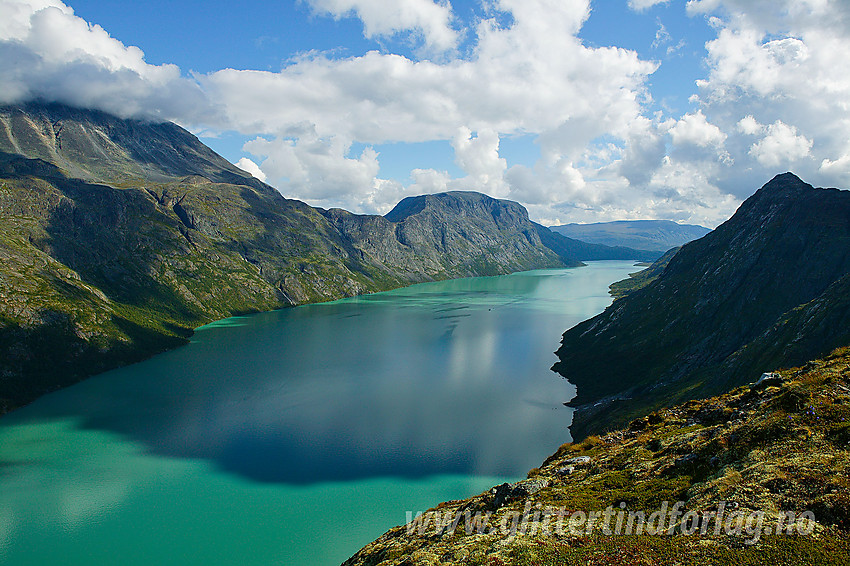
{"x": 773, "y": 98}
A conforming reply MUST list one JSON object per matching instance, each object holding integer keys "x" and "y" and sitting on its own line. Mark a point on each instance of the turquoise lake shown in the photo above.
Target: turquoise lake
{"x": 297, "y": 436}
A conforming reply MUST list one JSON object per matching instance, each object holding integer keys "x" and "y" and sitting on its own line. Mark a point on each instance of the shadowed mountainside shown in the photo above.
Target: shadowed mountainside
{"x": 640, "y": 279}
{"x": 764, "y": 290}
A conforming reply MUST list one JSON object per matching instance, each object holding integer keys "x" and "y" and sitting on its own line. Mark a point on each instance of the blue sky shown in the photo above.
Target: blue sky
{"x": 581, "y": 110}
{"x": 208, "y": 36}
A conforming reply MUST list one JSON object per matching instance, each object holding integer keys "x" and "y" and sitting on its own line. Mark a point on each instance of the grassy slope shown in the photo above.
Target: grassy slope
{"x": 771, "y": 448}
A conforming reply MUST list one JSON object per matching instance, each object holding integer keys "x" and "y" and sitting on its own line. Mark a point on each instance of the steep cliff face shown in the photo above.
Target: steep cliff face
{"x": 118, "y": 237}
{"x": 725, "y": 305}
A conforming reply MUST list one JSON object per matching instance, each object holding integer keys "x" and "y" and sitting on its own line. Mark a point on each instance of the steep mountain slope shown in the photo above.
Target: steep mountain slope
{"x": 658, "y": 235}
{"x": 756, "y": 476}
{"x": 737, "y": 302}
{"x": 95, "y": 146}
{"x": 118, "y": 237}
{"x": 641, "y": 279}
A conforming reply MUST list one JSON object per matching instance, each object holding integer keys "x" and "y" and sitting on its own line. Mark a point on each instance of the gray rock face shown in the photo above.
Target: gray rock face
{"x": 505, "y": 492}
{"x": 456, "y": 234}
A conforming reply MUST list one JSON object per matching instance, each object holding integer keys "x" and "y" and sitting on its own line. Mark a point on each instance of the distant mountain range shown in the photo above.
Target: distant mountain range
{"x": 118, "y": 237}
{"x": 769, "y": 288}
{"x": 656, "y": 235}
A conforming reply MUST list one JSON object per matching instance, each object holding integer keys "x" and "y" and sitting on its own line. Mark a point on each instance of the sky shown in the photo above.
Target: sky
{"x": 581, "y": 110}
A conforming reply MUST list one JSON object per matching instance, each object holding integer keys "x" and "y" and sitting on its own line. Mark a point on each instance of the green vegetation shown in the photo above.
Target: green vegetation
{"x": 633, "y": 550}
{"x": 776, "y": 447}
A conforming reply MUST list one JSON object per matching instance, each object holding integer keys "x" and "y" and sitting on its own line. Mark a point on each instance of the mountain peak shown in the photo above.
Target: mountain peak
{"x": 454, "y": 200}
{"x": 785, "y": 182}
{"x": 96, "y": 146}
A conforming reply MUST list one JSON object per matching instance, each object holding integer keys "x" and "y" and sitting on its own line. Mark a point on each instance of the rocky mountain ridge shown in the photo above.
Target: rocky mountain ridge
{"x": 764, "y": 290}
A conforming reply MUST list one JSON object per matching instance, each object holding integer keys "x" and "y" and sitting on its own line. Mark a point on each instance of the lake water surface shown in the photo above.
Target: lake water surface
{"x": 295, "y": 437}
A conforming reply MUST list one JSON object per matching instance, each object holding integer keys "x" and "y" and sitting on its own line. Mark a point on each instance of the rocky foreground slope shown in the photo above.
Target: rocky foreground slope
{"x": 765, "y": 290}
{"x": 760, "y": 475}
{"x": 118, "y": 237}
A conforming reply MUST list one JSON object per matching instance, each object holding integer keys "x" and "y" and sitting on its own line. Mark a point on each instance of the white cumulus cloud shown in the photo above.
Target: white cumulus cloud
{"x": 642, "y": 5}
{"x": 694, "y": 129}
{"x": 782, "y": 145}
{"x": 774, "y": 95}
{"x": 534, "y": 77}
{"x": 777, "y": 70}
{"x": 478, "y": 156}
{"x": 48, "y": 52}
{"x": 320, "y": 170}
{"x": 249, "y": 166}
{"x": 380, "y": 18}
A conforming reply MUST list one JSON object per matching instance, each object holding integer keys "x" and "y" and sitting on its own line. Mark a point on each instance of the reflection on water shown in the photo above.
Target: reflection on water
{"x": 382, "y": 403}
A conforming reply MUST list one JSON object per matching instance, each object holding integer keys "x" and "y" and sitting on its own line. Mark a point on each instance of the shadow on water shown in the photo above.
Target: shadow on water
{"x": 374, "y": 386}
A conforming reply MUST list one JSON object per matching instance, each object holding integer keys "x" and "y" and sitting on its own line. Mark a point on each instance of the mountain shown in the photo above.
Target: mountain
{"x": 657, "y": 235}
{"x": 119, "y": 237}
{"x": 96, "y": 146}
{"x": 468, "y": 234}
{"x": 773, "y": 454}
{"x": 766, "y": 289}
{"x": 572, "y": 249}
{"x": 455, "y": 234}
